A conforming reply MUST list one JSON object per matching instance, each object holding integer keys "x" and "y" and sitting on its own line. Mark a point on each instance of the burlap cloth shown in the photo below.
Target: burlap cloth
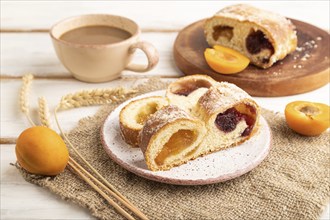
{"x": 291, "y": 183}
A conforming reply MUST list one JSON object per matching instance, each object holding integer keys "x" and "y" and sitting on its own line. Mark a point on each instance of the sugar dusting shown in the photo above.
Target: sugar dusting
{"x": 300, "y": 57}
{"x": 221, "y": 97}
{"x": 277, "y": 29}
{"x": 158, "y": 120}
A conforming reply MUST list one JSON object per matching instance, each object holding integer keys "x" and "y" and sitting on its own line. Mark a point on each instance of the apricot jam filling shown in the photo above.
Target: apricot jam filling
{"x": 178, "y": 142}
{"x": 228, "y": 120}
{"x": 222, "y": 31}
{"x": 188, "y": 86}
{"x": 145, "y": 112}
{"x": 257, "y": 41}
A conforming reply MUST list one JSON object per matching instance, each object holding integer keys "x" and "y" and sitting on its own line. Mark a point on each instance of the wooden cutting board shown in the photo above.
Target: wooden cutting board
{"x": 304, "y": 70}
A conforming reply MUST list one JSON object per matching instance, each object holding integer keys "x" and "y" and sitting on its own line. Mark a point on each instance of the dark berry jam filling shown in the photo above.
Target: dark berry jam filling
{"x": 228, "y": 120}
{"x": 256, "y": 41}
{"x": 187, "y": 87}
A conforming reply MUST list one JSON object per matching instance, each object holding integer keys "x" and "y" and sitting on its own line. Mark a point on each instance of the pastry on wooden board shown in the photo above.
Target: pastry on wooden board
{"x": 134, "y": 114}
{"x": 169, "y": 137}
{"x": 263, "y": 36}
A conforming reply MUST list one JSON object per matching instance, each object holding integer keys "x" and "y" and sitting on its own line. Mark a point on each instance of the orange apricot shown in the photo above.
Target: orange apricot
{"x": 40, "y": 150}
{"x": 307, "y": 118}
{"x": 225, "y": 60}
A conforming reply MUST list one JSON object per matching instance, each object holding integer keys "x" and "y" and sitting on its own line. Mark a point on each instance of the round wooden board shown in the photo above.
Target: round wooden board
{"x": 304, "y": 70}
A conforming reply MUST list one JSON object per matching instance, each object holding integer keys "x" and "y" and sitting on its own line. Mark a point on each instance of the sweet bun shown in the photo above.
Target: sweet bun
{"x": 134, "y": 114}
{"x": 231, "y": 117}
{"x": 169, "y": 137}
{"x": 186, "y": 91}
{"x": 198, "y": 117}
{"x": 263, "y": 36}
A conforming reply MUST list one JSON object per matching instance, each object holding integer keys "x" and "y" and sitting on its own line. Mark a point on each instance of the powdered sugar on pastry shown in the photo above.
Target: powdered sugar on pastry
{"x": 263, "y": 36}
{"x": 168, "y": 137}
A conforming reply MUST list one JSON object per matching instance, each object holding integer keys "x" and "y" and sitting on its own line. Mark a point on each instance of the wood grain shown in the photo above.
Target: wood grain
{"x": 144, "y": 30}
{"x": 30, "y": 51}
{"x": 4, "y": 140}
{"x": 22, "y": 200}
{"x": 13, "y": 122}
{"x": 152, "y": 15}
{"x": 33, "y": 52}
{"x": 292, "y": 75}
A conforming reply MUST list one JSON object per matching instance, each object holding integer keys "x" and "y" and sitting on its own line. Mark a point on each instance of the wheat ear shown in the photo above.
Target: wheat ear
{"x": 44, "y": 115}
{"x": 23, "y": 97}
{"x": 93, "y": 97}
{"x": 88, "y": 98}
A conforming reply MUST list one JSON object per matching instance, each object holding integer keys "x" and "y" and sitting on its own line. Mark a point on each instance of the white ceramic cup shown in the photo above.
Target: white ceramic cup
{"x": 101, "y": 62}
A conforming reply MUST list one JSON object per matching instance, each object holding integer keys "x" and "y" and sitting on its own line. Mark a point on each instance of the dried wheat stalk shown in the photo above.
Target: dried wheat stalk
{"x": 44, "y": 115}
{"x": 23, "y": 97}
{"x": 84, "y": 98}
{"x": 88, "y": 98}
{"x": 45, "y": 120}
{"x": 93, "y": 97}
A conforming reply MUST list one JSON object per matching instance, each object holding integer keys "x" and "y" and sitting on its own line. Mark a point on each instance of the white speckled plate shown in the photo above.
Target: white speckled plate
{"x": 213, "y": 168}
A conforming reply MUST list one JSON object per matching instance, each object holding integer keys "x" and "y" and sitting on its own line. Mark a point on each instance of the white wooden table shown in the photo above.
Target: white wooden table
{"x": 26, "y": 47}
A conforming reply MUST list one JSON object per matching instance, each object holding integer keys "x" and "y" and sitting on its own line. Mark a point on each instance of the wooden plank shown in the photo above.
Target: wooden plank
{"x": 21, "y": 200}
{"x": 7, "y": 140}
{"x": 150, "y": 15}
{"x": 34, "y": 52}
{"x": 13, "y": 122}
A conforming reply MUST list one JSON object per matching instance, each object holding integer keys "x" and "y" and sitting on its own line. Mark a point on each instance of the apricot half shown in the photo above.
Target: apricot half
{"x": 307, "y": 118}
{"x": 40, "y": 150}
{"x": 225, "y": 60}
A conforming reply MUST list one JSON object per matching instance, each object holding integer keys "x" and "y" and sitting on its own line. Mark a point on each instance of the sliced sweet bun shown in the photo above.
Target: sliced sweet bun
{"x": 263, "y": 36}
{"x": 135, "y": 113}
{"x": 169, "y": 137}
{"x": 186, "y": 91}
{"x": 231, "y": 117}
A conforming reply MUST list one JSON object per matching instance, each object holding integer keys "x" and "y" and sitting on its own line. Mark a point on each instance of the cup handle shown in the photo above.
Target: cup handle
{"x": 151, "y": 53}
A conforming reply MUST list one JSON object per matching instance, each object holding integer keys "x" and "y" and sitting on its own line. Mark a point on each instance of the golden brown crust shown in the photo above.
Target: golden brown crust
{"x": 279, "y": 31}
{"x": 164, "y": 116}
{"x": 217, "y": 100}
{"x": 159, "y": 128}
{"x": 221, "y": 97}
{"x": 147, "y": 149}
{"x": 162, "y": 121}
{"x": 129, "y": 127}
{"x": 130, "y": 135}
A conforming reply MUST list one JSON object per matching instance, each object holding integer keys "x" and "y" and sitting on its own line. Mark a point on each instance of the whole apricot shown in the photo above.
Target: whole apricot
{"x": 307, "y": 118}
{"x": 40, "y": 150}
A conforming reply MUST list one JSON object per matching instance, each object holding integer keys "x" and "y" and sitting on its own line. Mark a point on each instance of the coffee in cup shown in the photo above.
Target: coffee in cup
{"x": 98, "y": 47}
